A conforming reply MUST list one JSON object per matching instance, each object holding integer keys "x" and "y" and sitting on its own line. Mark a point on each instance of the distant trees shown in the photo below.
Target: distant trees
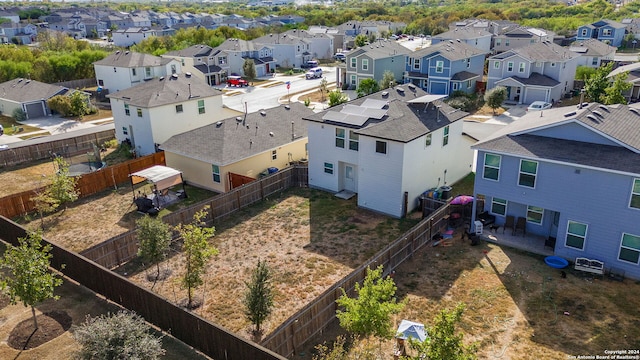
{"x": 495, "y": 97}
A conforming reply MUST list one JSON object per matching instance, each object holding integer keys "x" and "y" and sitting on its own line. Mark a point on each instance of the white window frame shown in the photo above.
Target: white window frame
{"x": 201, "y": 109}
{"x": 635, "y": 191}
{"x": 147, "y": 71}
{"x": 328, "y": 168}
{"x": 354, "y": 80}
{"x": 455, "y": 86}
{"x": 133, "y": 72}
{"x": 583, "y": 237}
{"x": 506, "y": 42}
{"x": 179, "y": 108}
{"x": 583, "y": 32}
{"x": 439, "y": 66}
{"x": 274, "y": 154}
{"x": 535, "y": 210}
{"x": 215, "y": 170}
{"x": 522, "y": 67}
{"x": 416, "y": 64}
{"x": 522, "y": 173}
{"x": 622, "y": 246}
{"x": 510, "y": 66}
{"x": 498, "y": 41}
{"x": 427, "y": 140}
{"x": 127, "y": 111}
{"x": 125, "y": 131}
{"x": 340, "y": 136}
{"x": 594, "y": 61}
{"x": 607, "y": 32}
{"x": 365, "y": 64}
{"x": 445, "y": 136}
{"x": 485, "y": 166}
{"x": 139, "y": 112}
{"x": 496, "y": 64}
{"x": 499, "y": 202}
{"x": 353, "y": 63}
{"x": 354, "y": 140}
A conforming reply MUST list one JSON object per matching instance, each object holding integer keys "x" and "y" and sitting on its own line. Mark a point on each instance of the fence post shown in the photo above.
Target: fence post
{"x": 261, "y": 189}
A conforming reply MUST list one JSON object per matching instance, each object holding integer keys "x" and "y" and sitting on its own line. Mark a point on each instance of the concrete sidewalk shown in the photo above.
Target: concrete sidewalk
{"x": 51, "y": 125}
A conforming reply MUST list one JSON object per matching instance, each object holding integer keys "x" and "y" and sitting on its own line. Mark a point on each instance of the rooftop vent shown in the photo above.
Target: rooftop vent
{"x": 635, "y": 111}
{"x": 593, "y": 118}
{"x": 596, "y": 112}
{"x": 161, "y": 78}
{"x": 411, "y": 86}
{"x": 263, "y": 113}
{"x": 219, "y": 123}
{"x": 188, "y": 74}
{"x": 126, "y": 52}
{"x": 174, "y": 76}
{"x": 287, "y": 107}
{"x": 271, "y": 133}
{"x": 604, "y": 107}
{"x": 569, "y": 114}
{"x": 385, "y": 93}
{"x": 239, "y": 119}
{"x": 118, "y": 52}
{"x": 400, "y": 90}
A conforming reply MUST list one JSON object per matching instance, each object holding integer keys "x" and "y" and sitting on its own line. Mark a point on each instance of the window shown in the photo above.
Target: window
{"x": 200, "y": 106}
{"x": 126, "y": 110}
{"x": 594, "y": 61}
{"x": 498, "y": 206}
{"x": 455, "y": 86}
{"x": 222, "y": 60}
{"x": 491, "y": 167}
{"x": 340, "y": 138}
{"x": 139, "y": 112}
{"x": 498, "y": 42}
{"x": 528, "y": 172}
{"x": 439, "y": 66}
{"x": 416, "y": 64}
{"x": 133, "y": 72}
{"x": 125, "y": 131}
{"x": 353, "y": 62}
{"x": 100, "y": 82}
{"x": 468, "y": 84}
{"x": 274, "y": 154}
{"x": 353, "y": 80}
{"x": 445, "y": 136}
{"x": 538, "y": 63}
{"x": 583, "y": 32}
{"x": 635, "y": 194}
{"x": 216, "y": 173}
{"x": 606, "y": 32}
{"x": 353, "y": 140}
{"x": 510, "y": 66}
{"x": 496, "y": 64}
{"x": 179, "y": 108}
{"x": 173, "y": 68}
{"x": 521, "y": 67}
{"x": 506, "y": 42}
{"x": 630, "y": 248}
{"x": 427, "y": 141}
{"x": 328, "y": 168}
{"x": 381, "y": 147}
{"x": 576, "y": 235}
{"x": 534, "y": 214}
{"x": 365, "y": 64}
{"x": 147, "y": 72}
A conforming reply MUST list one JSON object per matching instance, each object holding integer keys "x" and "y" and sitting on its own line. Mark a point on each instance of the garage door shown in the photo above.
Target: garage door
{"x": 536, "y": 95}
{"x": 35, "y": 110}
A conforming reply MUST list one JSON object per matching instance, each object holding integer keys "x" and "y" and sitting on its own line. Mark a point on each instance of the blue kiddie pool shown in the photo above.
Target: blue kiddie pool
{"x": 556, "y": 262}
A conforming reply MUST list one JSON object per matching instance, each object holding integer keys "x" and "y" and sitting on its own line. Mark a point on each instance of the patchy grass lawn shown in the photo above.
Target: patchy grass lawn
{"x": 12, "y": 127}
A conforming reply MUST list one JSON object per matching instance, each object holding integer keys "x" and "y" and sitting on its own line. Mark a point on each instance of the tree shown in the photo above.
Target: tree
{"x": 30, "y": 279}
{"x": 443, "y": 342}
{"x": 337, "y": 97}
{"x": 60, "y": 104}
{"x": 63, "y": 186}
{"x": 596, "y": 84}
{"x": 44, "y": 203}
{"x": 197, "y": 251}
{"x": 495, "y": 97}
{"x": 154, "y": 237}
{"x": 614, "y": 93}
{"x": 123, "y": 335}
{"x": 367, "y": 86}
{"x": 258, "y": 298}
{"x": 360, "y": 40}
{"x": 79, "y": 104}
{"x": 370, "y": 312}
{"x": 323, "y": 87}
{"x": 249, "y": 69}
{"x": 388, "y": 80}
{"x": 19, "y": 114}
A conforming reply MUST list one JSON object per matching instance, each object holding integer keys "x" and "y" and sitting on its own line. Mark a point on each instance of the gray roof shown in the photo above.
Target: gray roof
{"x": 162, "y": 91}
{"x": 451, "y": 50}
{"x": 239, "y": 45}
{"x": 543, "y": 51}
{"x": 276, "y": 39}
{"x": 463, "y": 33}
{"x": 229, "y": 141}
{"x": 129, "y": 59}
{"x": 192, "y": 51}
{"x": 380, "y": 50}
{"x": 617, "y": 123}
{"x": 592, "y": 47}
{"x": 480, "y": 130}
{"x": 23, "y": 90}
{"x": 620, "y": 69}
{"x": 535, "y": 79}
{"x": 464, "y": 75}
{"x": 403, "y": 121}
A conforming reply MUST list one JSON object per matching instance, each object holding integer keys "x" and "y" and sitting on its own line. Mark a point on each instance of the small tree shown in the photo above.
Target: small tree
{"x": 154, "y": 237}
{"x": 443, "y": 342}
{"x": 323, "y": 88}
{"x": 258, "y": 298}
{"x": 388, "y": 80}
{"x": 370, "y": 312}
{"x": 360, "y": 40}
{"x": 337, "y": 97}
{"x": 44, "y": 204}
{"x": 614, "y": 93}
{"x": 60, "y": 104}
{"x": 367, "y": 86}
{"x": 79, "y": 104}
{"x": 596, "y": 84}
{"x": 19, "y": 114}
{"x": 249, "y": 69}
{"x": 30, "y": 279}
{"x": 63, "y": 186}
{"x": 495, "y": 97}
{"x": 123, "y": 335}
{"x": 197, "y": 251}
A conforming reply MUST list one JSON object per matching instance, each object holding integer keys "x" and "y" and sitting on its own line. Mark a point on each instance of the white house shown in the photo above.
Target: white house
{"x": 593, "y": 52}
{"x": 388, "y": 148}
{"x": 124, "y": 69}
{"x": 148, "y": 114}
{"x": 289, "y": 51}
{"x": 133, "y": 35}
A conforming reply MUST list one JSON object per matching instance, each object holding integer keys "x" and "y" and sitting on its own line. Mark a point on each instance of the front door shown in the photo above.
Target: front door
{"x": 349, "y": 178}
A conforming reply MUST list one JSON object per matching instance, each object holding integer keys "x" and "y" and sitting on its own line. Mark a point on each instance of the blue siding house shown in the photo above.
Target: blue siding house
{"x": 608, "y": 31}
{"x": 574, "y": 175}
{"x": 446, "y": 67}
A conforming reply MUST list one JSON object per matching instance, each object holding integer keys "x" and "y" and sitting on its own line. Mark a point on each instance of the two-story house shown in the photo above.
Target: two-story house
{"x": 371, "y": 61}
{"x": 124, "y": 69}
{"x": 608, "y": 31}
{"x": 574, "y": 175}
{"x": 17, "y": 33}
{"x": 320, "y": 45}
{"x": 519, "y": 36}
{"x": 475, "y": 37}
{"x": 125, "y": 37}
{"x": 593, "y": 53}
{"x": 203, "y": 62}
{"x": 288, "y": 51}
{"x": 388, "y": 148}
{"x": 537, "y": 72}
{"x": 148, "y": 114}
{"x": 236, "y": 51}
{"x": 446, "y": 67}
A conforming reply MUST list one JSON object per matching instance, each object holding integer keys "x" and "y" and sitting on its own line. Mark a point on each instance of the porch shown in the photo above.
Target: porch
{"x": 529, "y": 242}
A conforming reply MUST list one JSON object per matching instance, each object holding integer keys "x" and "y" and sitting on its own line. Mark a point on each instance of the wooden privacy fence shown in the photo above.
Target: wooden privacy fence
{"x": 303, "y": 326}
{"x": 212, "y": 340}
{"x": 124, "y": 247}
{"x": 70, "y": 146}
{"x": 88, "y": 184}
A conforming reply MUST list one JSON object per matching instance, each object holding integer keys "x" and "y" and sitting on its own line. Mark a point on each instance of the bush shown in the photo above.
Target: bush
{"x": 110, "y": 143}
{"x": 19, "y": 115}
{"x": 60, "y": 104}
{"x": 465, "y": 102}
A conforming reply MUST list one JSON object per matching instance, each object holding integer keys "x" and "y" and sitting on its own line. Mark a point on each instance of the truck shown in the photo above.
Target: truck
{"x": 237, "y": 81}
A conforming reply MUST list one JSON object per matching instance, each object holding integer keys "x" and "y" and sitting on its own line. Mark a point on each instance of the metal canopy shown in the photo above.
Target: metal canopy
{"x": 161, "y": 176}
{"x": 426, "y": 99}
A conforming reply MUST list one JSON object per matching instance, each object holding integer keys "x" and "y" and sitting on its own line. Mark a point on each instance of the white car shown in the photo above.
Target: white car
{"x": 314, "y": 73}
{"x": 539, "y": 105}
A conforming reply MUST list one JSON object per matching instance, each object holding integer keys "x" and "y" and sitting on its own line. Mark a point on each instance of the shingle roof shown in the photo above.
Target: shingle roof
{"x": 534, "y": 79}
{"x": 451, "y": 50}
{"x": 463, "y": 33}
{"x": 162, "y": 91}
{"x": 617, "y": 123}
{"x": 463, "y": 75}
{"x": 404, "y": 121}
{"x": 591, "y": 47}
{"x": 543, "y": 51}
{"x": 23, "y": 90}
{"x": 230, "y": 141}
{"x": 192, "y": 51}
{"x": 239, "y": 45}
{"x": 128, "y": 59}
{"x": 381, "y": 49}
{"x": 275, "y": 39}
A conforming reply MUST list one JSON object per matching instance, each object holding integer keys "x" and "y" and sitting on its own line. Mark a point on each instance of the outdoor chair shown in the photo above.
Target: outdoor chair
{"x": 521, "y": 224}
{"x": 510, "y": 222}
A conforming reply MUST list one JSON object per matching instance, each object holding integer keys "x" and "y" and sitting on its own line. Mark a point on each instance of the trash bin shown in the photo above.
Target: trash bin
{"x": 445, "y": 192}
{"x": 272, "y": 170}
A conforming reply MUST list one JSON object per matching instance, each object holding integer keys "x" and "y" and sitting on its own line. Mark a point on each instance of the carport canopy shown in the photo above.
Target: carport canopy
{"x": 162, "y": 177}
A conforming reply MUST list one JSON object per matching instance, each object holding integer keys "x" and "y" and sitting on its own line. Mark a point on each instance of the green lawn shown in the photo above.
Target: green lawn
{"x": 12, "y": 127}
{"x": 464, "y": 186}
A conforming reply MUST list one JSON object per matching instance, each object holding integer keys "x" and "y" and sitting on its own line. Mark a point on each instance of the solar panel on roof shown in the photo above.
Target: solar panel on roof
{"x": 578, "y": 49}
{"x": 334, "y": 116}
{"x": 374, "y": 103}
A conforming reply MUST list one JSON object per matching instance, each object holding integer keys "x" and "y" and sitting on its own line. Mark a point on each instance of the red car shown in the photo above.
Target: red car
{"x": 236, "y": 81}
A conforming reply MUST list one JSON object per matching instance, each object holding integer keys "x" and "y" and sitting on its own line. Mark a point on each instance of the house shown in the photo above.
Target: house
{"x": 388, "y": 148}
{"x": 633, "y": 77}
{"x": 236, "y": 150}
{"x": 593, "y": 53}
{"x": 446, "y": 67}
{"x": 608, "y": 31}
{"x": 203, "y": 62}
{"x": 574, "y": 175}
{"x": 371, "y": 61}
{"x": 537, "y": 72}
{"x": 233, "y": 52}
{"x": 515, "y": 37}
{"x": 29, "y": 96}
{"x": 320, "y": 45}
{"x": 475, "y": 37}
{"x": 124, "y": 69}
{"x": 148, "y": 114}
{"x": 133, "y": 35}
{"x": 17, "y": 33}
{"x": 632, "y": 26}
{"x": 288, "y": 51}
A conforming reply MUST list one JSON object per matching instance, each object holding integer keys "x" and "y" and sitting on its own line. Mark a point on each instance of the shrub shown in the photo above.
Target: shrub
{"x": 19, "y": 115}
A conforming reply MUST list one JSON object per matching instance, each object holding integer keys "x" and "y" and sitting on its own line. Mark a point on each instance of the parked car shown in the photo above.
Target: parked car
{"x": 310, "y": 64}
{"x": 539, "y": 105}
{"x": 237, "y": 81}
{"x": 340, "y": 57}
{"x": 314, "y": 73}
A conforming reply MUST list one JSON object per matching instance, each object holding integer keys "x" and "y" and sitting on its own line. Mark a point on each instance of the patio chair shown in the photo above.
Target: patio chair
{"x": 521, "y": 224}
{"x": 510, "y": 222}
